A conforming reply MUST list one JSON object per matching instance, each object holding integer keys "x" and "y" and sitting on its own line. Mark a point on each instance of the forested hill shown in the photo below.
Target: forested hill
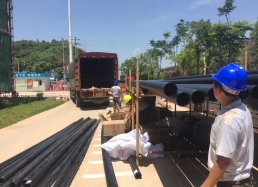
{"x": 40, "y": 56}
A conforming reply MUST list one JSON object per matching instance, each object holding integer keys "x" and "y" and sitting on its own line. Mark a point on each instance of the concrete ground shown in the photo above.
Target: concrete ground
{"x": 26, "y": 133}
{"x": 168, "y": 171}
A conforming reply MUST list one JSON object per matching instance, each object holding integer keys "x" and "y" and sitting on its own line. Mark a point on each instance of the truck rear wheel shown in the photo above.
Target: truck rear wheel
{"x": 106, "y": 103}
{"x": 77, "y": 101}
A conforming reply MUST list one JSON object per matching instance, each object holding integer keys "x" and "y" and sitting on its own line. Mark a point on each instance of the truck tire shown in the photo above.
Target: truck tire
{"x": 106, "y": 103}
{"x": 72, "y": 98}
{"x": 77, "y": 101}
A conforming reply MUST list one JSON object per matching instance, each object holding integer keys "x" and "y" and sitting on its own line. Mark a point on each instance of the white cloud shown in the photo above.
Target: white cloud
{"x": 199, "y": 3}
{"x": 159, "y": 19}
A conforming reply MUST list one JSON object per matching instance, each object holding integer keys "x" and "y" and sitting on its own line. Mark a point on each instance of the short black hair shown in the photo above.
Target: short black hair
{"x": 218, "y": 85}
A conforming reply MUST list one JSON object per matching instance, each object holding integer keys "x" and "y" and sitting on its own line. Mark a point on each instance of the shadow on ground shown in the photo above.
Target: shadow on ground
{"x": 90, "y": 106}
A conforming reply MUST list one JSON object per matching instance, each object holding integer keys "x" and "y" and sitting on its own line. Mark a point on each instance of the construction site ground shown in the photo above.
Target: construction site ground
{"x": 168, "y": 171}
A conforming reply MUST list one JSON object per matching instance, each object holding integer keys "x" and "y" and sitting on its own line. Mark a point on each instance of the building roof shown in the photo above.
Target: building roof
{"x": 170, "y": 68}
{"x": 32, "y": 74}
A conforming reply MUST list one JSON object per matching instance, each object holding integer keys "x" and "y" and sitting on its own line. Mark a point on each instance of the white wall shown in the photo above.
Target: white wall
{"x": 39, "y": 84}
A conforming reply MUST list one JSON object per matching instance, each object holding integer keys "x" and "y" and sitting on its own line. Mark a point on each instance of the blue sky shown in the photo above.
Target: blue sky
{"x": 116, "y": 26}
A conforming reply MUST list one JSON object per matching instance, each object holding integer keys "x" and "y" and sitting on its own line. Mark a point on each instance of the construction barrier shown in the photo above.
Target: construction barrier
{"x": 58, "y": 87}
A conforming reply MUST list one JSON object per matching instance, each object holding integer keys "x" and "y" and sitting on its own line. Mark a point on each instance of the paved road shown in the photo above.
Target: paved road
{"x": 169, "y": 171}
{"x": 24, "y": 134}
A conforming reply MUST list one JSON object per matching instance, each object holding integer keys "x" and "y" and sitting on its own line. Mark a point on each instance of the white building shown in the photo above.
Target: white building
{"x": 32, "y": 82}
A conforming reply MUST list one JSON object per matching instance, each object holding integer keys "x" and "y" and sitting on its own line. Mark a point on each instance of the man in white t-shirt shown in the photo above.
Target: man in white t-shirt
{"x": 231, "y": 149}
{"x": 116, "y": 93}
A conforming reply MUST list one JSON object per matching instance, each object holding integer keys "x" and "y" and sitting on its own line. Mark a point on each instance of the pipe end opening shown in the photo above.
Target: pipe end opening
{"x": 244, "y": 95}
{"x": 2, "y": 180}
{"x": 198, "y": 97}
{"x": 211, "y": 95}
{"x": 170, "y": 89}
{"x": 183, "y": 99}
{"x": 254, "y": 92}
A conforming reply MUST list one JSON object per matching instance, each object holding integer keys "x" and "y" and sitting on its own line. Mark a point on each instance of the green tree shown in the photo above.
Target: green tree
{"x": 150, "y": 61}
{"x": 160, "y": 49}
{"x": 59, "y": 73}
{"x": 226, "y": 9}
{"x": 254, "y": 49}
{"x": 31, "y": 54}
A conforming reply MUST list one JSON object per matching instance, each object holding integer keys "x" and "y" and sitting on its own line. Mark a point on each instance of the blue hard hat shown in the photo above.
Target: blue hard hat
{"x": 116, "y": 82}
{"x": 232, "y": 76}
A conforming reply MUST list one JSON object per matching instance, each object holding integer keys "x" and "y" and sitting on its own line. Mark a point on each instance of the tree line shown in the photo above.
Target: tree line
{"x": 41, "y": 56}
{"x": 201, "y": 42}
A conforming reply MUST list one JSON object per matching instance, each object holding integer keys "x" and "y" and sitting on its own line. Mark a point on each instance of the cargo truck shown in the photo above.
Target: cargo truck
{"x": 91, "y": 76}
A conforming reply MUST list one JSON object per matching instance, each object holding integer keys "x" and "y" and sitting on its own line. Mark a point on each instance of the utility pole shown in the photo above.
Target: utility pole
{"x": 246, "y": 60}
{"x": 75, "y": 48}
{"x": 64, "y": 66}
{"x": 75, "y": 44}
{"x": 70, "y": 32}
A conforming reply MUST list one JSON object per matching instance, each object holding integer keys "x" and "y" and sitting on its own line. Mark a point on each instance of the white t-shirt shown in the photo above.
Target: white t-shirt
{"x": 232, "y": 136}
{"x": 116, "y": 91}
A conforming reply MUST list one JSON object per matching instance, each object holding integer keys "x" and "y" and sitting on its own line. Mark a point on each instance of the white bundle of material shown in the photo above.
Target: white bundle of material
{"x": 124, "y": 145}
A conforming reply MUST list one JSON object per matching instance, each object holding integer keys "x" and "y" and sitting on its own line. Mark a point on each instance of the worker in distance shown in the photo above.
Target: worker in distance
{"x": 117, "y": 94}
{"x": 231, "y": 150}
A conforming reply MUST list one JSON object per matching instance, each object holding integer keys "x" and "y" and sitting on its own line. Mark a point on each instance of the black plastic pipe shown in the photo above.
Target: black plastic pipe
{"x": 45, "y": 165}
{"x": 244, "y": 94}
{"x": 57, "y": 136}
{"x": 181, "y": 98}
{"x": 49, "y": 178}
{"x": 253, "y": 89}
{"x": 20, "y": 170}
{"x": 68, "y": 173}
{"x": 249, "y": 72}
{"x": 164, "y": 89}
{"x": 136, "y": 172}
{"x": 207, "y": 89}
{"x": 40, "y": 153}
{"x": 29, "y": 150}
{"x": 252, "y": 80}
{"x": 108, "y": 167}
{"x": 196, "y": 96}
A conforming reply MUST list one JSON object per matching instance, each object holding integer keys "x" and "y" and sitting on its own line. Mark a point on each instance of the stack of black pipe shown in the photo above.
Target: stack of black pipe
{"x": 54, "y": 160}
{"x": 195, "y": 89}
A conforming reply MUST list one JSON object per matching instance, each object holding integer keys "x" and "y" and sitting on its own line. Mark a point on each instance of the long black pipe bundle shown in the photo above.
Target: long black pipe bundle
{"x": 249, "y": 72}
{"x": 48, "y": 141}
{"x": 136, "y": 172}
{"x": 43, "y": 167}
{"x": 207, "y": 89}
{"x": 39, "y": 154}
{"x": 68, "y": 173}
{"x": 29, "y": 150}
{"x": 51, "y": 176}
{"x": 181, "y": 98}
{"x": 197, "y": 97}
{"x": 26, "y": 165}
{"x": 252, "y": 80}
{"x": 164, "y": 89}
{"x": 108, "y": 167}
